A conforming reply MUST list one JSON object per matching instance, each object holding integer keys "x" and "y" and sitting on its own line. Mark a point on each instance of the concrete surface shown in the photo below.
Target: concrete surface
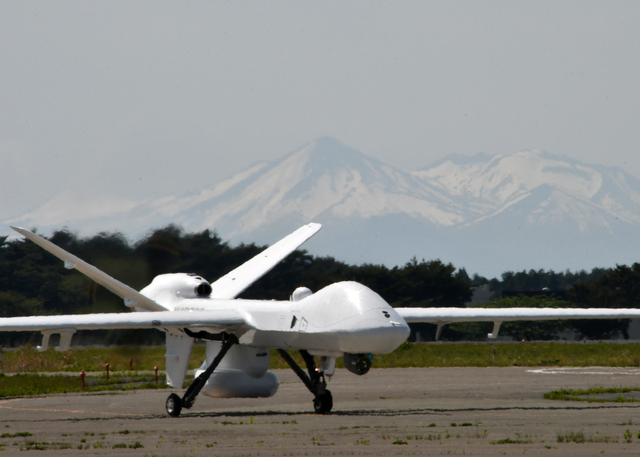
{"x": 386, "y": 412}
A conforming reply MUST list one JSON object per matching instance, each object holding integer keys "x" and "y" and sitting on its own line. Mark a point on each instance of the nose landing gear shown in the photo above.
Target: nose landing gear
{"x": 323, "y": 402}
{"x": 315, "y": 381}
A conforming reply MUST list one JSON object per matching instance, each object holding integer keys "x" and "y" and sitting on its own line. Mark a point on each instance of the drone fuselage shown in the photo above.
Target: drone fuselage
{"x": 342, "y": 317}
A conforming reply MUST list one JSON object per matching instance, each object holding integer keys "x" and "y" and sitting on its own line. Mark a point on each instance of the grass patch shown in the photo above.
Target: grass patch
{"x": 30, "y": 360}
{"x": 15, "y": 435}
{"x": 578, "y": 437}
{"x": 44, "y": 445}
{"x": 590, "y": 395}
{"x": 570, "y": 437}
{"x": 37, "y": 384}
{"x": 510, "y": 441}
{"x": 476, "y": 354}
{"x": 507, "y": 354}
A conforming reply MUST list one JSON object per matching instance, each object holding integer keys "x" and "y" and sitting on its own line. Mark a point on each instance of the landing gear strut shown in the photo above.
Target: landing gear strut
{"x": 315, "y": 382}
{"x": 175, "y": 404}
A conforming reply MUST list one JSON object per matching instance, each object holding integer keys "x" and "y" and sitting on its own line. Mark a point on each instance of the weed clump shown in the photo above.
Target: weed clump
{"x": 510, "y": 441}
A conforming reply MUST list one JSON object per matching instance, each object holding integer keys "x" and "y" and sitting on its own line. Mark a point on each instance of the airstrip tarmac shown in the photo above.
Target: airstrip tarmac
{"x": 417, "y": 411}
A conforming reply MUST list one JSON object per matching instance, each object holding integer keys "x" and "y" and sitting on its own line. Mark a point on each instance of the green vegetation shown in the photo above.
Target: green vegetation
{"x": 91, "y": 359}
{"x": 510, "y": 441}
{"x": 511, "y": 354}
{"x": 15, "y": 435}
{"x": 590, "y": 395}
{"x": 44, "y": 445}
{"x": 36, "y": 384}
{"x": 31, "y": 444}
{"x": 578, "y": 437}
{"x": 506, "y": 355}
{"x": 29, "y": 360}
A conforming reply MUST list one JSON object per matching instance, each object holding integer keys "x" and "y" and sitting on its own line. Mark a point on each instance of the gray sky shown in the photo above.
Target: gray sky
{"x": 149, "y": 98}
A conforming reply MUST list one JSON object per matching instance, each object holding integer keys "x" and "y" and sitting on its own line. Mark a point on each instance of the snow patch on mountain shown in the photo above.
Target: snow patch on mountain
{"x": 506, "y": 177}
{"x": 488, "y": 213}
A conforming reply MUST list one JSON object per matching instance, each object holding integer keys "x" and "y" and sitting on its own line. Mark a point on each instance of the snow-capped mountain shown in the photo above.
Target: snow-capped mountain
{"x": 486, "y": 213}
{"x": 493, "y": 184}
{"x": 322, "y": 180}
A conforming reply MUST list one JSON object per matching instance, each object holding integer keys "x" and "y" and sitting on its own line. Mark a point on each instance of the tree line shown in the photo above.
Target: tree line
{"x": 34, "y": 282}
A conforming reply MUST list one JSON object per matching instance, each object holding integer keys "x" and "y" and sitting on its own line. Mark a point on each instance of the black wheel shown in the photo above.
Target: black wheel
{"x": 323, "y": 402}
{"x": 174, "y": 405}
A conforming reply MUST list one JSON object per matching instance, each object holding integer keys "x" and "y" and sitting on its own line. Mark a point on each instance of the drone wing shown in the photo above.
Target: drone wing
{"x": 218, "y": 320}
{"x": 235, "y": 282}
{"x": 131, "y": 296}
{"x": 443, "y": 316}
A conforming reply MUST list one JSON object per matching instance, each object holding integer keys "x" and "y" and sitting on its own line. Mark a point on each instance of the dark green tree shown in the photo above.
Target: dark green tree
{"x": 618, "y": 288}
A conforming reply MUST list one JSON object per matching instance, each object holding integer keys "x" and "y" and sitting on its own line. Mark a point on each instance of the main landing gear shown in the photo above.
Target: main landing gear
{"x": 175, "y": 404}
{"x": 315, "y": 382}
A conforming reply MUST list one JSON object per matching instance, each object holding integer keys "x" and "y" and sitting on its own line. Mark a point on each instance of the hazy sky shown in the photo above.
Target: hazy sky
{"x": 149, "y": 98}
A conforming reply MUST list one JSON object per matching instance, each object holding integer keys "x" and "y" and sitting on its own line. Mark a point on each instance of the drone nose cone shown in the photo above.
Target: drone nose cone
{"x": 352, "y": 318}
{"x": 392, "y": 330}
{"x": 360, "y": 297}
{"x": 379, "y": 328}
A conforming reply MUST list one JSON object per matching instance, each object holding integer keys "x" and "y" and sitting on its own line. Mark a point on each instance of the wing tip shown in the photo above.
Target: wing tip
{"x": 22, "y": 231}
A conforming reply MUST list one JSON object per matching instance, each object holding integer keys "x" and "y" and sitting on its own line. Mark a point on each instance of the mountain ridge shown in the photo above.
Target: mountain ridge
{"x": 487, "y": 213}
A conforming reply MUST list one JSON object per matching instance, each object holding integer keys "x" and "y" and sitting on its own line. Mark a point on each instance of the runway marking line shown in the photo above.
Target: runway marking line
{"x": 75, "y": 411}
{"x": 588, "y": 370}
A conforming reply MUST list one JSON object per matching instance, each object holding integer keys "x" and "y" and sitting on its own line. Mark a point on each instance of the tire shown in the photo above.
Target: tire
{"x": 174, "y": 405}
{"x": 323, "y": 402}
